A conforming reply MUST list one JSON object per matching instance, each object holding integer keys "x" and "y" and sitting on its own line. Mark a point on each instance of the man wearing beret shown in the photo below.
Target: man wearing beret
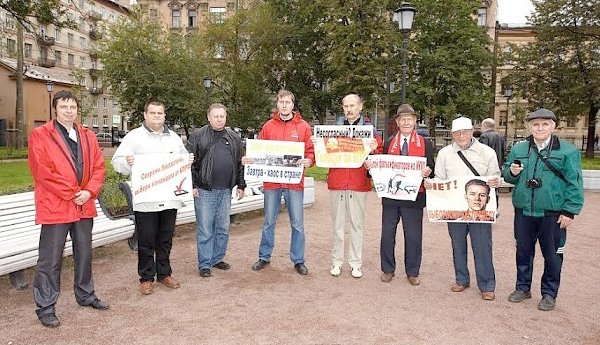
{"x": 548, "y": 193}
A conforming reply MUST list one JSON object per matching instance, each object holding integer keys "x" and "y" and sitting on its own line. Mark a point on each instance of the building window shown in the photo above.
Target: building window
{"x": 105, "y": 102}
{"x": 9, "y": 22}
{"x": 115, "y": 104}
{"x": 482, "y": 16}
{"x": 219, "y": 51}
{"x": 44, "y": 53}
{"x": 57, "y": 35}
{"x": 176, "y": 18}
{"x": 70, "y": 39}
{"x": 105, "y": 122}
{"x": 153, "y": 14}
{"x": 84, "y": 120}
{"x": 27, "y": 50}
{"x": 71, "y": 60}
{"x": 11, "y": 47}
{"x": 203, "y": 7}
{"x": 82, "y": 82}
{"x": 571, "y": 122}
{"x": 95, "y": 103}
{"x": 192, "y": 18}
{"x": 503, "y": 117}
{"x": 58, "y": 56}
{"x": 231, "y": 6}
{"x": 82, "y": 42}
{"x": 82, "y": 5}
{"x": 217, "y": 14}
{"x": 82, "y": 62}
{"x": 81, "y": 24}
{"x": 95, "y": 121}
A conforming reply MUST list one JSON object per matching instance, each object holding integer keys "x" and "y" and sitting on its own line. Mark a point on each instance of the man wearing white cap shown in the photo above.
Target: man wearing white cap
{"x": 483, "y": 161}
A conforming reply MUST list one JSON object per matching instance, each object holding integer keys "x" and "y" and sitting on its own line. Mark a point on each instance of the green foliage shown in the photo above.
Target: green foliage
{"x": 318, "y": 173}
{"x": 45, "y": 11}
{"x": 143, "y": 62}
{"x": 561, "y": 69}
{"x": 449, "y": 51}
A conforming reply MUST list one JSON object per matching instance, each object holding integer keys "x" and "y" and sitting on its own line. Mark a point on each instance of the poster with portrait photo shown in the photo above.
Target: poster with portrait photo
{"x": 397, "y": 177}
{"x": 274, "y": 161}
{"x": 342, "y": 146}
{"x": 461, "y": 199}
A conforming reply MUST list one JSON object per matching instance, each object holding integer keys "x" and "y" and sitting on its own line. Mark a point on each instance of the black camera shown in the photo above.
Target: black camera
{"x": 534, "y": 183}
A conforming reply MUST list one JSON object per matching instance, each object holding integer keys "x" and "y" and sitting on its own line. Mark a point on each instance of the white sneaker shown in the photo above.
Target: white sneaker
{"x": 356, "y": 272}
{"x": 336, "y": 271}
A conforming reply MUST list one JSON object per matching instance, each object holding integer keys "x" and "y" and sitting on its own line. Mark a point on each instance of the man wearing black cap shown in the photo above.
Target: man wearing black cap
{"x": 548, "y": 193}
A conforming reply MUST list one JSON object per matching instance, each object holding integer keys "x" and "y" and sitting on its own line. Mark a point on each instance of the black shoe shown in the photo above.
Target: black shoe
{"x": 97, "y": 304}
{"x": 205, "y": 272}
{"x": 547, "y": 303}
{"x": 259, "y": 265}
{"x": 301, "y": 268}
{"x": 222, "y": 265}
{"x": 49, "y": 320}
{"x": 519, "y": 296}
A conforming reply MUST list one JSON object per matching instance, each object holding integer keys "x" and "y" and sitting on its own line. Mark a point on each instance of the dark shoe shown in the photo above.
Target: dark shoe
{"x": 386, "y": 277}
{"x": 170, "y": 282}
{"x": 547, "y": 303}
{"x": 259, "y": 265}
{"x": 146, "y": 288}
{"x": 49, "y": 320}
{"x": 97, "y": 304}
{"x": 222, "y": 265}
{"x": 519, "y": 296}
{"x": 205, "y": 272}
{"x": 301, "y": 268}
{"x": 488, "y": 295}
{"x": 414, "y": 281}
{"x": 458, "y": 287}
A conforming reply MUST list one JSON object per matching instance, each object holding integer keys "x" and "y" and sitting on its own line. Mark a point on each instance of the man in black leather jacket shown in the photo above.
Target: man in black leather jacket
{"x": 217, "y": 168}
{"x": 492, "y": 139}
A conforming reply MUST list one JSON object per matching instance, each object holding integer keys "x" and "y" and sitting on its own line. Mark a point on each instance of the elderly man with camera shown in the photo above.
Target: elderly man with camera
{"x": 548, "y": 193}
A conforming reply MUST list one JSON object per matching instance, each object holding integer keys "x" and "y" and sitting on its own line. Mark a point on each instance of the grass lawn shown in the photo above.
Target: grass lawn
{"x": 8, "y": 153}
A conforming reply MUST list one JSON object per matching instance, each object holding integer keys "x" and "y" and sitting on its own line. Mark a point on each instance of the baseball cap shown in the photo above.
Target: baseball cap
{"x": 461, "y": 123}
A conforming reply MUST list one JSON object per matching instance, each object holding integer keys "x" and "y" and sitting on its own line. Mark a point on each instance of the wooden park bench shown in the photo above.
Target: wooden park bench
{"x": 19, "y": 235}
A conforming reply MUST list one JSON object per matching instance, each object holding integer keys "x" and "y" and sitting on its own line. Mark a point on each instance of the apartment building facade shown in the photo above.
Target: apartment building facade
{"x": 60, "y": 58}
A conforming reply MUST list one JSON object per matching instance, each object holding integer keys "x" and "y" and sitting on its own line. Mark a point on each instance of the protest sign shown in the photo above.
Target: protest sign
{"x": 397, "y": 177}
{"x": 342, "y": 146}
{"x": 274, "y": 161}
{"x": 161, "y": 177}
{"x": 461, "y": 199}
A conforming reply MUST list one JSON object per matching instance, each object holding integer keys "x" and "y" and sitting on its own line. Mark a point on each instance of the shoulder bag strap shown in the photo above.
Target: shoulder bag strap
{"x": 464, "y": 159}
{"x": 551, "y": 167}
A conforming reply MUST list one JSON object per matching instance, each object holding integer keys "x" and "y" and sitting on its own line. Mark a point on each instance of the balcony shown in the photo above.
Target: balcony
{"x": 94, "y": 16}
{"x": 45, "y": 62}
{"x": 46, "y": 40}
{"x": 95, "y": 34}
{"x": 93, "y": 55}
{"x": 94, "y": 72}
{"x": 191, "y": 29}
{"x": 95, "y": 91}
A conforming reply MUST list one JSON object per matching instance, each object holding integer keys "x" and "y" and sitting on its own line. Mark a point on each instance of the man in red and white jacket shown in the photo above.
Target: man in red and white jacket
{"x": 286, "y": 125}
{"x": 68, "y": 172}
{"x": 349, "y": 188}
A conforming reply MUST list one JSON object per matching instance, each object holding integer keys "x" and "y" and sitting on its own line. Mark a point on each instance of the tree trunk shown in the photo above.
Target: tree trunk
{"x": 19, "y": 74}
{"x": 591, "y": 133}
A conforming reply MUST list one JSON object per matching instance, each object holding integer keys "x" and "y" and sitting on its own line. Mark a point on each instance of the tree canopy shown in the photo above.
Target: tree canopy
{"x": 560, "y": 70}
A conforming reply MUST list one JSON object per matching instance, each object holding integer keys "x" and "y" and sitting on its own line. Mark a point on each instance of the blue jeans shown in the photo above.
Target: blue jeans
{"x": 212, "y": 225}
{"x": 481, "y": 243}
{"x": 294, "y": 202}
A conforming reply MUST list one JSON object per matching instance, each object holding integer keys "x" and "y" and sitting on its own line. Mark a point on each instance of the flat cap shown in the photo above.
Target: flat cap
{"x": 405, "y": 109}
{"x": 541, "y": 113}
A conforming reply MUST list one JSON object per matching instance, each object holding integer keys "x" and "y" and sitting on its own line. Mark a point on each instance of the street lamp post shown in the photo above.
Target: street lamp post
{"x": 207, "y": 85}
{"x": 404, "y": 16}
{"x": 49, "y": 87}
{"x": 508, "y": 94}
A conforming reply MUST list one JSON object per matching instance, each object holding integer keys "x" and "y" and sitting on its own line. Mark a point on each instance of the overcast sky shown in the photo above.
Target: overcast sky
{"x": 514, "y": 11}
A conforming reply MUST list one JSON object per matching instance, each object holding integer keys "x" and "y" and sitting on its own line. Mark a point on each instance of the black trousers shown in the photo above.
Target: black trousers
{"x": 412, "y": 225}
{"x": 155, "y": 239}
{"x": 46, "y": 284}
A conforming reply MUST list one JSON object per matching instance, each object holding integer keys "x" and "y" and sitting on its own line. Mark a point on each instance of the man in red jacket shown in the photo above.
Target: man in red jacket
{"x": 348, "y": 189}
{"x": 68, "y": 172}
{"x": 286, "y": 125}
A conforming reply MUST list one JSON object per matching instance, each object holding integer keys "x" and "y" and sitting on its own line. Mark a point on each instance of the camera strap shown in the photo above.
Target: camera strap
{"x": 550, "y": 166}
{"x": 464, "y": 159}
